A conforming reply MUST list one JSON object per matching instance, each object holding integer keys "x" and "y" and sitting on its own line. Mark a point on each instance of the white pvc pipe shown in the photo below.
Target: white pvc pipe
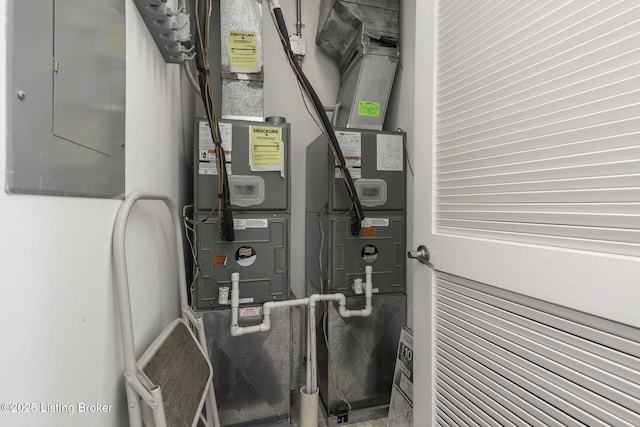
{"x": 237, "y": 330}
{"x": 312, "y": 321}
{"x": 308, "y": 382}
{"x": 308, "y": 408}
{"x": 309, "y": 393}
{"x": 368, "y": 292}
{"x": 313, "y": 384}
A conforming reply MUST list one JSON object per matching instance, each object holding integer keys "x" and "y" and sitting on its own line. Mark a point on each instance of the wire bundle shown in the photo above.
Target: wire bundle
{"x": 327, "y": 129}
{"x": 223, "y": 203}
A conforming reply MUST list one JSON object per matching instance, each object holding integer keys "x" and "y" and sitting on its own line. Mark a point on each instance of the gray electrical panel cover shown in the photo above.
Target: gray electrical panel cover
{"x": 258, "y": 179}
{"x": 66, "y": 97}
{"x": 259, "y": 253}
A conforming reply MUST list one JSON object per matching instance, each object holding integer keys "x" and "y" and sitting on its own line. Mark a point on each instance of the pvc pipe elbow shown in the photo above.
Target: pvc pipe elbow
{"x": 266, "y": 321}
{"x": 367, "y": 311}
{"x": 237, "y": 331}
{"x": 313, "y": 299}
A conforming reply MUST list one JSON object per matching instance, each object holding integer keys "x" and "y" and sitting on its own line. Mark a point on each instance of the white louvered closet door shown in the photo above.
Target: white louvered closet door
{"x": 527, "y": 193}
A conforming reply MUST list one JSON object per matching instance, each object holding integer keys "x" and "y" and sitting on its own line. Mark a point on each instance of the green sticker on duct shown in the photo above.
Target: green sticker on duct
{"x": 368, "y": 109}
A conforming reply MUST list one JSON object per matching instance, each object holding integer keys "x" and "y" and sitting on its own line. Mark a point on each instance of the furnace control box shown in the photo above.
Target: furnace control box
{"x": 375, "y": 160}
{"x": 257, "y": 156}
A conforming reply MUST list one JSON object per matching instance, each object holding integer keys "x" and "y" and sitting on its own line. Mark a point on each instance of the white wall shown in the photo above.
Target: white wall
{"x": 282, "y": 98}
{"x": 60, "y": 339}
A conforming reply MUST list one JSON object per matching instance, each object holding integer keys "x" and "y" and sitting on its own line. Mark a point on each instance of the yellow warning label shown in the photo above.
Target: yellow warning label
{"x": 266, "y": 147}
{"x": 243, "y": 52}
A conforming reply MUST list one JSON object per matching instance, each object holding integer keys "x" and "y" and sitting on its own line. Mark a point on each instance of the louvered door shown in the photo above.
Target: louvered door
{"x": 527, "y": 193}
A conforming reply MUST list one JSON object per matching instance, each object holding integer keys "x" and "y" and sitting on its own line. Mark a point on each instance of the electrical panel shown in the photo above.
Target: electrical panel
{"x": 260, "y": 253}
{"x": 66, "y": 98}
{"x": 257, "y": 155}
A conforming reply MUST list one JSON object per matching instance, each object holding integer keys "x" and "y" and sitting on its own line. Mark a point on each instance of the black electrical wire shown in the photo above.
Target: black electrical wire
{"x": 358, "y": 214}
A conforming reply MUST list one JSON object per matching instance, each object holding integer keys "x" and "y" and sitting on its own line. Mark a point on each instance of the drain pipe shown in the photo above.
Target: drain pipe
{"x": 309, "y": 393}
{"x": 237, "y": 330}
{"x": 368, "y": 292}
{"x": 342, "y": 310}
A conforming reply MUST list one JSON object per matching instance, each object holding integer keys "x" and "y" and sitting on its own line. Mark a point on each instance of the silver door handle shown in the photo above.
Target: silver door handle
{"x": 422, "y": 255}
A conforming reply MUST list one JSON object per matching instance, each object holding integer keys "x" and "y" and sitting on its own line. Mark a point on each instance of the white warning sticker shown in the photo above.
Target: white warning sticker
{"x": 351, "y": 147}
{"x": 389, "y": 156}
{"x": 243, "y": 224}
{"x": 375, "y": 222}
{"x": 250, "y": 312}
{"x": 206, "y": 147}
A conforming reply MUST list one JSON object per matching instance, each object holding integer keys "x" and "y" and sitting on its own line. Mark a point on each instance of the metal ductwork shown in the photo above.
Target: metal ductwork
{"x": 362, "y": 36}
{"x": 242, "y": 65}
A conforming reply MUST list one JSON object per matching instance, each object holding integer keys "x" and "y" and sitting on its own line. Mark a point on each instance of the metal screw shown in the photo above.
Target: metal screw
{"x": 21, "y": 94}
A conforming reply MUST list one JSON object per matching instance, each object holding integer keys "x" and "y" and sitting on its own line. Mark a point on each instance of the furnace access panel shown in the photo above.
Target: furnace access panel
{"x": 259, "y": 253}
{"x": 375, "y": 160}
{"x": 257, "y": 156}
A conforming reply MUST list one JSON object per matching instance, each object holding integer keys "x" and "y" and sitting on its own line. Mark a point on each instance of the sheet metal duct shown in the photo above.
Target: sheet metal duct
{"x": 241, "y": 60}
{"x": 252, "y": 373}
{"x": 362, "y": 36}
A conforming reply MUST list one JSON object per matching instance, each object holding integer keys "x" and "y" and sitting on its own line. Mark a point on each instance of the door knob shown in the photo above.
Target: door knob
{"x": 422, "y": 255}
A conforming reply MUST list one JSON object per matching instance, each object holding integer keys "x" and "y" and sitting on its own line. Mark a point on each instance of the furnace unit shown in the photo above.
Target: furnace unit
{"x": 253, "y": 373}
{"x": 362, "y": 350}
